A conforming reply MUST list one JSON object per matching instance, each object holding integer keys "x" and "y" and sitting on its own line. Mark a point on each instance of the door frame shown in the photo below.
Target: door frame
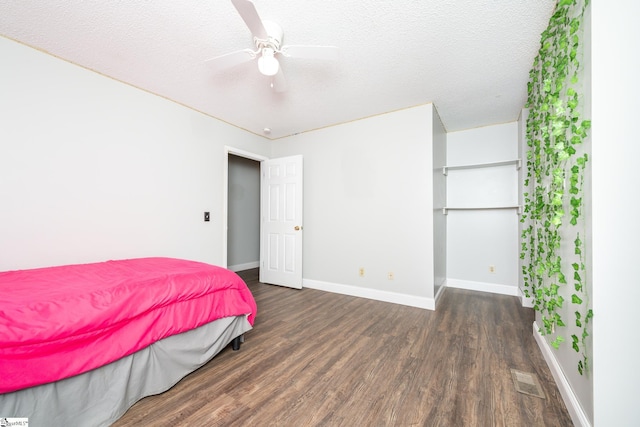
{"x": 225, "y": 193}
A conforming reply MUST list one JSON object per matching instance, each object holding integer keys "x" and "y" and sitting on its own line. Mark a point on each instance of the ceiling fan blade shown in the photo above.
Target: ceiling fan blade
{"x": 231, "y": 59}
{"x": 311, "y": 52}
{"x": 250, "y": 16}
{"x": 278, "y": 82}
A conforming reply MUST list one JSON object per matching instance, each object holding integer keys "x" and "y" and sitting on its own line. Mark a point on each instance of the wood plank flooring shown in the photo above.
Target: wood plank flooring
{"x": 321, "y": 359}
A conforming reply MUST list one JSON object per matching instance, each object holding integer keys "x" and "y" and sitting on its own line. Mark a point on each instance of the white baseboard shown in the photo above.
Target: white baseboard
{"x": 374, "y": 294}
{"x": 440, "y": 291}
{"x": 527, "y": 302}
{"x": 576, "y": 412}
{"x": 245, "y": 266}
{"x": 494, "y": 288}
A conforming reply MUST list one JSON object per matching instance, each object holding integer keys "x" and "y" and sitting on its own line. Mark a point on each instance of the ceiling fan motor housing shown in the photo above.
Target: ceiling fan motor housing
{"x": 275, "y": 33}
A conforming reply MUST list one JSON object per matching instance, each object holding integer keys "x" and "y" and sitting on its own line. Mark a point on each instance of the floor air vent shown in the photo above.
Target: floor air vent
{"x": 527, "y": 383}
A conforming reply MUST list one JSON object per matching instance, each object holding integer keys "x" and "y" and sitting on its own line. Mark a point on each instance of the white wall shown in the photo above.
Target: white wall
{"x": 608, "y": 395}
{"x": 477, "y": 239}
{"x": 243, "y": 250}
{"x": 439, "y": 202}
{"x": 93, "y": 169}
{"x": 577, "y": 388}
{"x": 368, "y": 204}
{"x": 616, "y": 287}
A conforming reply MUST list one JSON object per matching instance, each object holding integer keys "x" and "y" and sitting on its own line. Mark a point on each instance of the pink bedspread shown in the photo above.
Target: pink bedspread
{"x": 61, "y": 321}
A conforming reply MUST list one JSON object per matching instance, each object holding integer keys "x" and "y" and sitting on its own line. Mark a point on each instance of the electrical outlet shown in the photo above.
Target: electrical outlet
{"x": 390, "y": 275}
{"x": 492, "y": 269}
{"x": 361, "y": 272}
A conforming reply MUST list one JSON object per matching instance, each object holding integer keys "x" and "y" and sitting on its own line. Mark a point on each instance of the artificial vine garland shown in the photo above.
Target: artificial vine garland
{"x": 554, "y": 185}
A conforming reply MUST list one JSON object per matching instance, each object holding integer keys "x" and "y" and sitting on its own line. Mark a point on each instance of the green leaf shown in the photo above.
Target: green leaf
{"x": 556, "y": 343}
{"x": 573, "y": 53}
{"x": 575, "y": 343}
{"x": 576, "y": 299}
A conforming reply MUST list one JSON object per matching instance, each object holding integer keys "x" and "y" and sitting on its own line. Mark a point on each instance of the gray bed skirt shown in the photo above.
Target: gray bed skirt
{"x": 101, "y": 396}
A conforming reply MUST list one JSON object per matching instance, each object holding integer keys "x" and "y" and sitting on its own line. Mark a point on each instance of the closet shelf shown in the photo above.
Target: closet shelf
{"x": 482, "y": 208}
{"x": 516, "y": 162}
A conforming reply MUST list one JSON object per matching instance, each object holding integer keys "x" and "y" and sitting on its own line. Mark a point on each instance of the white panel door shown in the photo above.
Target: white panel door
{"x": 281, "y": 216}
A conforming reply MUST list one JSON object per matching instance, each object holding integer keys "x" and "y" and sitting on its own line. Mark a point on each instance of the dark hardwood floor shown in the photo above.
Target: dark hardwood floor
{"x": 321, "y": 359}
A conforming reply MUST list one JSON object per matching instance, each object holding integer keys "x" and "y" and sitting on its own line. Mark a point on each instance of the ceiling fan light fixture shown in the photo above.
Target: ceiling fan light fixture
{"x": 267, "y": 63}
{"x": 267, "y": 39}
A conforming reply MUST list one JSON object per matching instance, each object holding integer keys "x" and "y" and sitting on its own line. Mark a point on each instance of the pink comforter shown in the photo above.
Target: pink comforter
{"x": 57, "y": 322}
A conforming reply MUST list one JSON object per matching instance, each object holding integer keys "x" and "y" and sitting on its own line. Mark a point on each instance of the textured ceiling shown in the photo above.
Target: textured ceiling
{"x": 469, "y": 57}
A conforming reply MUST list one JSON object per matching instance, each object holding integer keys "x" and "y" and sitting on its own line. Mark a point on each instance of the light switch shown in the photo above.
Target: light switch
{"x": 206, "y": 216}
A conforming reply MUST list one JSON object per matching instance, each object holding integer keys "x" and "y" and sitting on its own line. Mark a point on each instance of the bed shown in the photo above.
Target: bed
{"x": 80, "y": 344}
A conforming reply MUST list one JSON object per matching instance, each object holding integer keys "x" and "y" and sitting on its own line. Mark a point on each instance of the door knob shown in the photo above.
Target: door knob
{"x": 297, "y": 228}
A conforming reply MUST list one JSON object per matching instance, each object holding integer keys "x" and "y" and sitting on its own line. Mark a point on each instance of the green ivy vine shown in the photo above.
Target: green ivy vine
{"x": 554, "y": 186}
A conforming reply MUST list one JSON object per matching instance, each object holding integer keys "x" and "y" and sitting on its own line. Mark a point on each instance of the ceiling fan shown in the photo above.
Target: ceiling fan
{"x": 267, "y": 37}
